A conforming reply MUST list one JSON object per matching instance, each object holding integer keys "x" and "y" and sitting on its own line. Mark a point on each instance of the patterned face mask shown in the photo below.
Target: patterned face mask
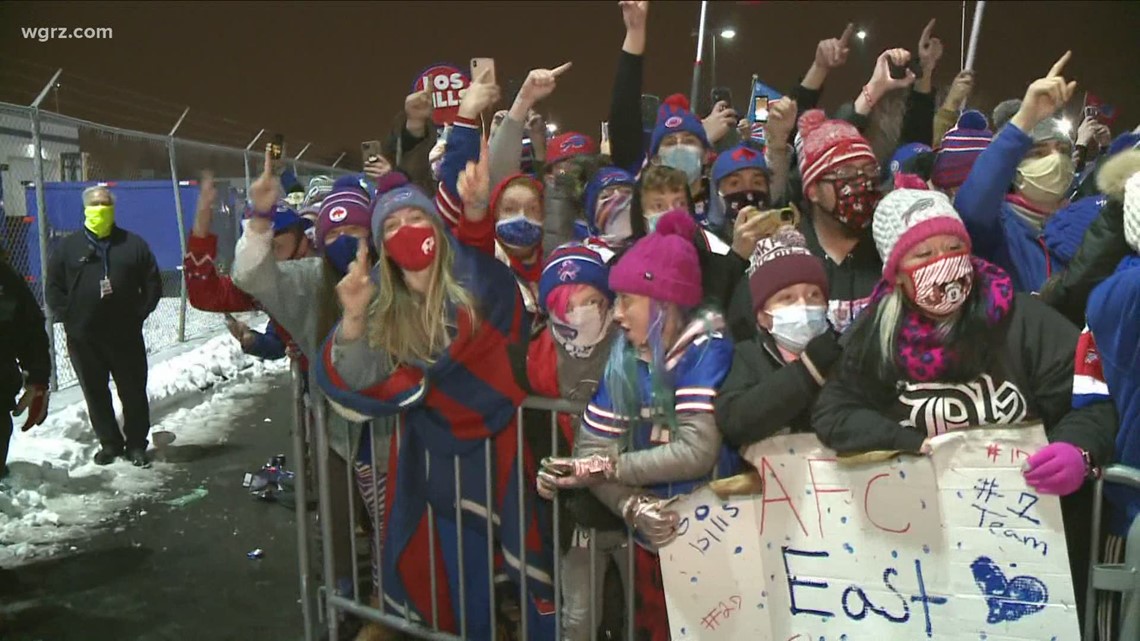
{"x": 519, "y": 231}
{"x": 855, "y": 201}
{"x": 942, "y": 285}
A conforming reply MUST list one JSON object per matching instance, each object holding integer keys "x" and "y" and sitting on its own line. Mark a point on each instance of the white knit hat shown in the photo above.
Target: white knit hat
{"x": 905, "y": 218}
{"x": 1132, "y": 212}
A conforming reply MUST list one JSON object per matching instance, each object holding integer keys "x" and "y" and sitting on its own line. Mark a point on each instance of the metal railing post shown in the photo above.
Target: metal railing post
{"x": 301, "y": 496}
{"x": 41, "y": 219}
{"x": 338, "y": 159}
{"x": 181, "y": 222}
{"x": 324, "y": 496}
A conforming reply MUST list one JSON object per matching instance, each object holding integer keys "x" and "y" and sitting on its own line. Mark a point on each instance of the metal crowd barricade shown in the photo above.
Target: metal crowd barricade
{"x": 1121, "y": 578}
{"x": 331, "y": 606}
{"x": 301, "y": 481}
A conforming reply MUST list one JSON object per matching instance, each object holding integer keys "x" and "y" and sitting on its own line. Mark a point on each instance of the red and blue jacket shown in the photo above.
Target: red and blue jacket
{"x": 458, "y": 413}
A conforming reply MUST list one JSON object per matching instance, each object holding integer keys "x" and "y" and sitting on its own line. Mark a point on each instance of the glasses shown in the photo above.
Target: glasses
{"x": 851, "y": 173}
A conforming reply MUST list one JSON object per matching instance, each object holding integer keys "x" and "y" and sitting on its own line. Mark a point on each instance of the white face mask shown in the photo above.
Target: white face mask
{"x": 582, "y": 330}
{"x": 794, "y": 326}
{"x": 1046, "y": 179}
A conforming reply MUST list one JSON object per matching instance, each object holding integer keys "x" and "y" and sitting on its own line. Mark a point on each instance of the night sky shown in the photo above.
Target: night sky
{"x": 337, "y": 72}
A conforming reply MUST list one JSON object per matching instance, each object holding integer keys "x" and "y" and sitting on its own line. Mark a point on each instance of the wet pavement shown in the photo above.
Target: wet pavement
{"x": 177, "y": 573}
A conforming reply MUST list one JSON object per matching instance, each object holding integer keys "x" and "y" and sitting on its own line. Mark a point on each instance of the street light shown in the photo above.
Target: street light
{"x": 551, "y": 128}
{"x": 728, "y": 33}
{"x": 861, "y": 34}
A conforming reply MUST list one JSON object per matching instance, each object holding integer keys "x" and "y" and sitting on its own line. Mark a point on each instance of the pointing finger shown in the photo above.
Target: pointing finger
{"x": 1060, "y": 64}
{"x": 558, "y": 71}
{"x": 268, "y": 168}
{"x": 927, "y": 31}
{"x": 362, "y": 254}
{"x": 847, "y": 33}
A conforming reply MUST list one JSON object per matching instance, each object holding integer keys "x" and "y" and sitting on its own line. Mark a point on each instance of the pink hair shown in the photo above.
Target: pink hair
{"x": 558, "y": 300}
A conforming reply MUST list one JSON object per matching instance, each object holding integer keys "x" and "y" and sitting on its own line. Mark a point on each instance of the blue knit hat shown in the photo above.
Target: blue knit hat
{"x": 284, "y": 218}
{"x": 393, "y": 192}
{"x": 603, "y": 178}
{"x": 574, "y": 264}
{"x": 674, "y": 117}
{"x": 905, "y": 156}
{"x": 735, "y": 159}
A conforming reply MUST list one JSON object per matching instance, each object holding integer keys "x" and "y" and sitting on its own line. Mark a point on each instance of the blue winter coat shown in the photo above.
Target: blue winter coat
{"x": 998, "y": 234}
{"x": 1114, "y": 320}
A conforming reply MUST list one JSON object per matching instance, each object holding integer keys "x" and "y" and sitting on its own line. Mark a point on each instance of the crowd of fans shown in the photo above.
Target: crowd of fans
{"x": 878, "y": 277}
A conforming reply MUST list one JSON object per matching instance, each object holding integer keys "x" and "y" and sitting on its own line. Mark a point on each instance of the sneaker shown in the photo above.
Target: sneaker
{"x": 106, "y": 456}
{"x": 138, "y": 458}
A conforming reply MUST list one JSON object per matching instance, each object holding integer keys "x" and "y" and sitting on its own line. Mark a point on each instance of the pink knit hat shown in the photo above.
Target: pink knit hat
{"x": 662, "y": 265}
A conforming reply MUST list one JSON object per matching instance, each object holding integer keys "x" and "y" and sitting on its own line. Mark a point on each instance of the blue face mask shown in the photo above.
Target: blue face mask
{"x": 683, "y": 158}
{"x": 519, "y": 231}
{"x": 341, "y": 252}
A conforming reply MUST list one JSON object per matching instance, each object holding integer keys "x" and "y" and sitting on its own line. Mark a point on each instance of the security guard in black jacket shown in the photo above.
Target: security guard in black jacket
{"x": 23, "y": 348}
{"x": 102, "y": 283}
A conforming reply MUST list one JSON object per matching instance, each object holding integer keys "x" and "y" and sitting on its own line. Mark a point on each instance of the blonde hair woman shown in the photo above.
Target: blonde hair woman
{"x": 428, "y": 334}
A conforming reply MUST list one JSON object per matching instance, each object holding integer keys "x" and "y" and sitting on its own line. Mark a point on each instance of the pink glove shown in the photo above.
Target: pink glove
{"x": 1057, "y": 468}
{"x": 570, "y": 472}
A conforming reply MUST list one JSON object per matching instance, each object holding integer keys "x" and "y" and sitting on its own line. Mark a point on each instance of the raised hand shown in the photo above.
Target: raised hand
{"x": 721, "y": 121}
{"x": 417, "y": 106}
{"x": 378, "y": 169}
{"x": 959, "y": 91}
{"x": 474, "y": 185}
{"x": 832, "y": 53}
{"x": 480, "y": 95}
{"x": 634, "y": 14}
{"x": 356, "y": 290}
{"x": 781, "y": 121}
{"x": 929, "y": 50}
{"x": 266, "y": 190}
{"x": 540, "y": 83}
{"x": 1045, "y": 96}
{"x": 881, "y": 80}
{"x": 207, "y": 197}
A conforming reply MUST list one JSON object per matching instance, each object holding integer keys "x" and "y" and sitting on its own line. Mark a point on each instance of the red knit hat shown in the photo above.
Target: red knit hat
{"x": 780, "y": 261}
{"x": 827, "y": 144}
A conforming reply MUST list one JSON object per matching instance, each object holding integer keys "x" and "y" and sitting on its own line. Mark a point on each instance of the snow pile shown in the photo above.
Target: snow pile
{"x": 160, "y": 331}
{"x": 56, "y": 493}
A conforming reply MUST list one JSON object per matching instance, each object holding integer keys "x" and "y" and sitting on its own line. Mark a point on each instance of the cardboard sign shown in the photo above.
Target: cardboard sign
{"x": 950, "y": 547}
{"x": 447, "y": 84}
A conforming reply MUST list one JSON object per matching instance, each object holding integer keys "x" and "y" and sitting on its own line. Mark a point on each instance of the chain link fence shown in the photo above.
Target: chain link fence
{"x": 47, "y": 159}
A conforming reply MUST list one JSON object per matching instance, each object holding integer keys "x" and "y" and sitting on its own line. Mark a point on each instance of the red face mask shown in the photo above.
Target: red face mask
{"x": 855, "y": 201}
{"x": 412, "y": 248}
{"x": 942, "y": 285}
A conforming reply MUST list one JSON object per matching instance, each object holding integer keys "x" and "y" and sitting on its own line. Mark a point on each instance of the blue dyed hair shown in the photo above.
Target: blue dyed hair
{"x": 621, "y": 373}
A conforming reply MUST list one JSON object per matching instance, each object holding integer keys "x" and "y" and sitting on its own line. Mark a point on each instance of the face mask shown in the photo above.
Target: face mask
{"x": 615, "y": 209}
{"x": 519, "y": 231}
{"x": 412, "y": 248}
{"x": 651, "y": 221}
{"x": 794, "y": 326}
{"x": 684, "y": 158}
{"x": 583, "y": 328}
{"x": 341, "y": 252}
{"x": 733, "y": 203}
{"x": 855, "y": 201}
{"x": 1045, "y": 179}
{"x": 942, "y": 285}
{"x": 99, "y": 219}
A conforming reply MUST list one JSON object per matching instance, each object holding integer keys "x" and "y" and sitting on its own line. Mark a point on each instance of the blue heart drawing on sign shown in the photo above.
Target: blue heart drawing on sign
{"x": 1008, "y": 599}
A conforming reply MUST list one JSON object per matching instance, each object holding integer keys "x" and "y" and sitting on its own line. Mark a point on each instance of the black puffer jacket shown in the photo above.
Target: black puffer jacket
{"x": 23, "y": 339}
